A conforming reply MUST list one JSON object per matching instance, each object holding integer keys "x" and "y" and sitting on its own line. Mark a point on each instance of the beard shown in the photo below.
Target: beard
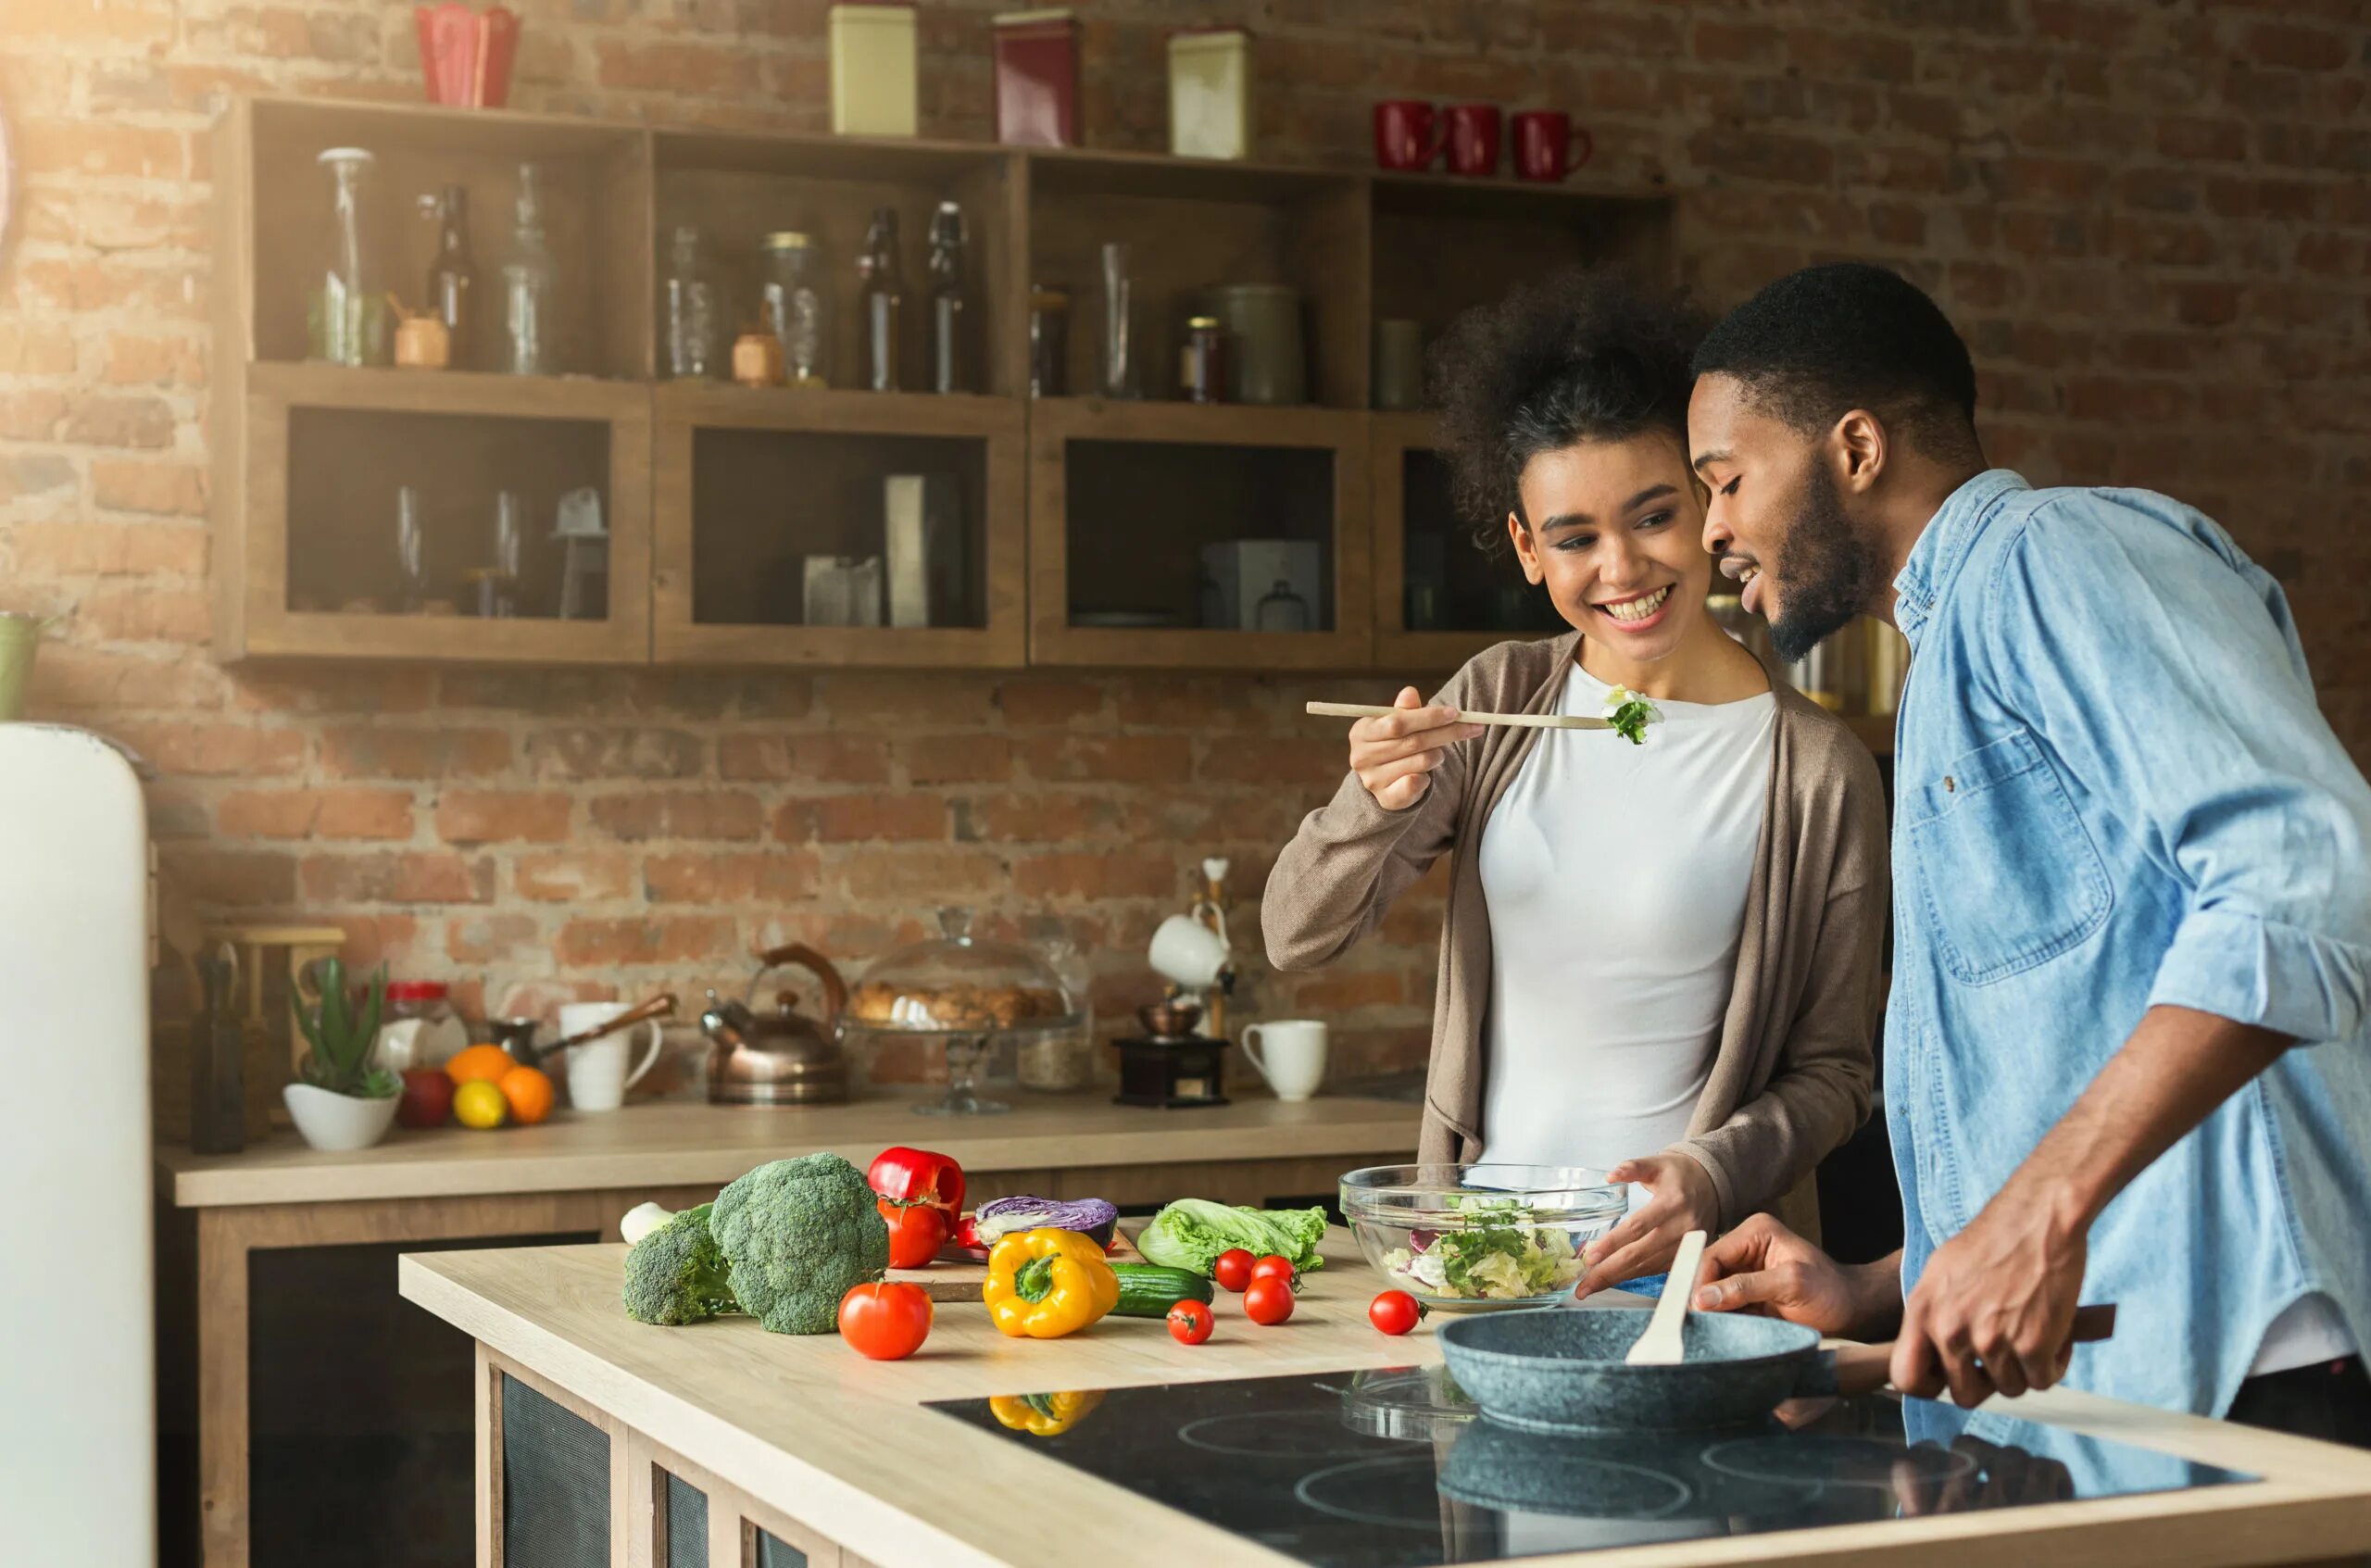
{"x": 1831, "y": 571}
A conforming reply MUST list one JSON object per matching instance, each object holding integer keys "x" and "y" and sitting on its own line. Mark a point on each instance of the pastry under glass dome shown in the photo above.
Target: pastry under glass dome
{"x": 973, "y": 994}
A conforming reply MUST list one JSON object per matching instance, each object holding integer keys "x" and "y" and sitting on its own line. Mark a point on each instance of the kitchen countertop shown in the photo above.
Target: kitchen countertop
{"x": 832, "y": 1440}
{"x": 681, "y": 1143}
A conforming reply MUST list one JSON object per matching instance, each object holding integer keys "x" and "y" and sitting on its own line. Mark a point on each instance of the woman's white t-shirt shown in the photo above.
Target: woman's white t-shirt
{"x": 1617, "y": 878}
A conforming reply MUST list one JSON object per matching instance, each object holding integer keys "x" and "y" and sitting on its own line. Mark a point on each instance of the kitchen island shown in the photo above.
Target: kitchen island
{"x": 576, "y": 1175}
{"x": 722, "y": 1445}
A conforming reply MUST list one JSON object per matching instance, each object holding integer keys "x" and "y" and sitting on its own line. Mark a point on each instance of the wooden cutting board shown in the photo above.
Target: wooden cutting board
{"x": 957, "y": 1278}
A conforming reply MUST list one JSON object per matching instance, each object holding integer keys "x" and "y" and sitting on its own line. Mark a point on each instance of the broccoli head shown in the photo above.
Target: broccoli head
{"x": 678, "y": 1273}
{"x": 800, "y": 1234}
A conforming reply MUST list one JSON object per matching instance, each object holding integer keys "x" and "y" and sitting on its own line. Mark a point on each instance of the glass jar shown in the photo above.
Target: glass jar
{"x": 693, "y": 316}
{"x": 411, "y": 554}
{"x": 978, "y": 997}
{"x": 1282, "y": 611}
{"x": 345, "y": 315}
{"x": 1061, "y": 1061}
{"x": 421, "y": 1028}
{"x": 529, "y": 288}
{"x": 1201, "y": 368}
{"x": 796, "y": 302}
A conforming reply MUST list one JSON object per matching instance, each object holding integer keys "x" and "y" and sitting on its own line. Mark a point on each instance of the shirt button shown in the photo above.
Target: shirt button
{"x": 1951, "y": 786}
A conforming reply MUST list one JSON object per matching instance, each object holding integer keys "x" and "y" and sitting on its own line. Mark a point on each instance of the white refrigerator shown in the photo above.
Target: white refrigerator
{"x": 78, "y": 1376}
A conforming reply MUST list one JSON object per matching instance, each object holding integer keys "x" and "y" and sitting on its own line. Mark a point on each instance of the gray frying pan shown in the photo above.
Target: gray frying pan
{"x": 1561, "y": 1371}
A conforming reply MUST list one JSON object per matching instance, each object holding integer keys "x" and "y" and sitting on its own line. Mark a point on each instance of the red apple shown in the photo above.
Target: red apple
{"x": 428, "y": 1099}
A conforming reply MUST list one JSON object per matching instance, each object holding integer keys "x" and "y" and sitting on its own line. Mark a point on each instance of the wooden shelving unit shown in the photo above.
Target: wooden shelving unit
{"x": 1076, "y": 508}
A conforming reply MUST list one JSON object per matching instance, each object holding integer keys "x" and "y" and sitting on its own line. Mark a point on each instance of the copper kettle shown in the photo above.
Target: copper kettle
{"x": 784, "y": 1058}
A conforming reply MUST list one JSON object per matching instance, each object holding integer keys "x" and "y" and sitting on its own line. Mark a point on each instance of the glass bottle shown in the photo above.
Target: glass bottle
{"x": 346, "y": 314}
{"x": 411, "y": 554}
{"x": 884, "y": 299}
{"x": 1122, "y": 375}
{"x": 1202, "y": 368}
{"x": 694, "y": 309}
{"x": 529, "y": 288}
{"x": 452, "y": 277}
{"x": 798, "y": 306}
{"x": 951, "y": 357}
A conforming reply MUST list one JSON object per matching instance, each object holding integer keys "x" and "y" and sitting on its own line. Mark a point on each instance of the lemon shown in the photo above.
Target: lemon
{"x": 479, "y": 1104}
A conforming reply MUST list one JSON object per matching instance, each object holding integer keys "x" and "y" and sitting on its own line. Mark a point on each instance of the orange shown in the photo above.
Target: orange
{"x": 529, "y": 1093}
{"x": 479, "y": 1062}
{"x": 479, "y": 1104}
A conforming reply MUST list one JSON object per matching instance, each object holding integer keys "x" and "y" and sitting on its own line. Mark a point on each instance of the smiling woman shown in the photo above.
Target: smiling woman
{"x": 1660, "y": 958}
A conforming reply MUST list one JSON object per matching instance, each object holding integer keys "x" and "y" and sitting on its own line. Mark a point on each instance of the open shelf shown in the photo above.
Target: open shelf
{"x": 313, "y": 573}
{"x": 1145, "y": 519}
{"x": 751, "y": 484}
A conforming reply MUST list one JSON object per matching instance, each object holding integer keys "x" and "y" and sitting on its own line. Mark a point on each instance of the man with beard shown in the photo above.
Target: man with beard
{"x": 2126, "y": 1046}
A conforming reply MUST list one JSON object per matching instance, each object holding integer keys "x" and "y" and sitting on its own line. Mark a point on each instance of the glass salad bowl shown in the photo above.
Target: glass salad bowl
{"x": 1466, "y": 1238}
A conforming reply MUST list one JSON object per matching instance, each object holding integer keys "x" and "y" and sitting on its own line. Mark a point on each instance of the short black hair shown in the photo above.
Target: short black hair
{"x": 1579, "y": 355}
{"x": 1818, "y": 344}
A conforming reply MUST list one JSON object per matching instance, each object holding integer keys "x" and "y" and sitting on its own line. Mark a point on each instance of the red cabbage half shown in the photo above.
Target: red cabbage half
{"x": 1090, "y": 1217}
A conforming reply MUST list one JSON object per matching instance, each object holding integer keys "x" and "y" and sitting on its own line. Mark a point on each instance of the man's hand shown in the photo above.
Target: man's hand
{"x": 2002, "y": 1293}
{"x": 1395, "y": 757}
{"x": 1680, "y": 1199}
{"x": 1764, "y": 1268}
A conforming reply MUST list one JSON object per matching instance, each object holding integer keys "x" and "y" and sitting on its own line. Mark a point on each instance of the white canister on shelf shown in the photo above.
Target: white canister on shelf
{"x": 1210, "y": 93}
{"x": 873, "y": 71}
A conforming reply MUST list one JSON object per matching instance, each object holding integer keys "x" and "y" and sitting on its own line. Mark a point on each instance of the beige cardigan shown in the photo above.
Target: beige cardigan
{"x": 1790, "y": 1080}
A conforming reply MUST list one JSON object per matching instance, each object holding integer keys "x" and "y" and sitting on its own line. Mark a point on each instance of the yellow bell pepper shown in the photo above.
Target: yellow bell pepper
{"x": 1044, "y": 1283}
{"x": 1044, "y": 1415}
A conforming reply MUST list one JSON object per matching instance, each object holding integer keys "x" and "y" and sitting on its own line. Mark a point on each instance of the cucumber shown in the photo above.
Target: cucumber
{"x": 1148, "y": 1290}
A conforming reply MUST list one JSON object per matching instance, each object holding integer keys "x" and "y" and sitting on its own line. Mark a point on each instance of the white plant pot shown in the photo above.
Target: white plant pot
{"x": 338, "y": 1124}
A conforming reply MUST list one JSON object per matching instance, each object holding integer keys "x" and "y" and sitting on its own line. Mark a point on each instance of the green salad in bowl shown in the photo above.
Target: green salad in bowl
{"x": 1473, "y": 1237}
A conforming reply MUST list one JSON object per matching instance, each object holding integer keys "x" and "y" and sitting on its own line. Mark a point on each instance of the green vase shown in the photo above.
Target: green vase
{"x": 19, "y": 635}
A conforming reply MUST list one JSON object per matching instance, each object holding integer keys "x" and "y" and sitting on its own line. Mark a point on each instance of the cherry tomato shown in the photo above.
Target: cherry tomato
{"x": 1232, "y": 1269}
{"x": 1268, "y": 1301}
{"x": 916, "y": 1232}
{"x": 1395, "y": 1311}
{"x": 1190, "y": 1322}
{"x": 1276, "y": 1265}
{"x": 887, "y": 1322}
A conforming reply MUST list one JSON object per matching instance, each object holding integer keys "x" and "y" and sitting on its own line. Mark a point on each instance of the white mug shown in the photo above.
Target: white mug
{"x": 1294, "y": 1062}
{"x": 1188, "y": 952}
{"x": 597, "y": 1079}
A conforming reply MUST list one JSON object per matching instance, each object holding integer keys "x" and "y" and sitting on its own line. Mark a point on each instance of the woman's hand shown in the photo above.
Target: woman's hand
{"x": 1680, "y": 1199}
{"x": 1395, "y": 757}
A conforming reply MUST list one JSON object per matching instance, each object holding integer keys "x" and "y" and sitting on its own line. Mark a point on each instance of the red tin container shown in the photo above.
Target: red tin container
{"x": 1036, "y": 56}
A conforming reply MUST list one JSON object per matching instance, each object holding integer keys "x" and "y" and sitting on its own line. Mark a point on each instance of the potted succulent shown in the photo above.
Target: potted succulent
{"x": 344, "y": 1101}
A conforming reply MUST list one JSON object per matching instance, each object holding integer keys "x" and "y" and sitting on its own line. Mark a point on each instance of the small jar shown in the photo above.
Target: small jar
{"x": 1201, "y": 367}
{"x": 423, "y": 343}
{"x": 420, "y": 1030}
{"x": 1049, "y": 340}
{"x": 756, "y": 360}
{"x": 795, "y": 298}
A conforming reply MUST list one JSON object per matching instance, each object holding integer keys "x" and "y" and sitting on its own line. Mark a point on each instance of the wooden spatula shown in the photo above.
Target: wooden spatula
{"x": 1661, "y": 1345}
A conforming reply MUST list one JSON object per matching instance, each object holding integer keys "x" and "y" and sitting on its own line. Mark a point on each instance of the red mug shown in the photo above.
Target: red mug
{"x": 1403, "y": 134}
{"x": 1548, "y": 145}
{"x": 1474, "y": 139}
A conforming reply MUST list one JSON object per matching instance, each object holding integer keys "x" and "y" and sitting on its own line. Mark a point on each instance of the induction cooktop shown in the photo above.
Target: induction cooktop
{"x": 1392, "y": 1469}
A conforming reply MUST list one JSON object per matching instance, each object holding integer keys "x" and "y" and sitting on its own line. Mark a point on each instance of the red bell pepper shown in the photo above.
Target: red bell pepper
{"x": 916, "y": 1175}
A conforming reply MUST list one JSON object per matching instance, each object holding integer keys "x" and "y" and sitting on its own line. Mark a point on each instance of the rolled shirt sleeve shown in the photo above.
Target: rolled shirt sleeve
{"x": 2188, "y": 716}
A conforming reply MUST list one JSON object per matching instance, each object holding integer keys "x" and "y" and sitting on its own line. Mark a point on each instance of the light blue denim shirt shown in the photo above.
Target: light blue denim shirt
{"x": 2114, "y": 790}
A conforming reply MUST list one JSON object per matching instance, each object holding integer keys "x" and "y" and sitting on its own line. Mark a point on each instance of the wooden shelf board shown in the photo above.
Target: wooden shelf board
{"x": 1217, "y": 425}
{"x": 1083, "y": 171}
{"x": 1506, "y": 199}
{"x": 838, "y": 408}
{"x": 843, "y": 647}
{"x": 432, "y": 127}
{"x": 443, "y": 639}
{"x": 1404, "y": 431}
{"x": 313, "y": 385}
{"x": 896, "y": 161}
{"x": 1096, "y": 647}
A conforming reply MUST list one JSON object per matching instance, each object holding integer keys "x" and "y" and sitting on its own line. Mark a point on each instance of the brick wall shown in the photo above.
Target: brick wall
{"x": 2152, "y": 222}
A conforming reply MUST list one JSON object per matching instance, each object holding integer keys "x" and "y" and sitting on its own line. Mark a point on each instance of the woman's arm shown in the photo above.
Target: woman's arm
{"x": 1354, "y": 855}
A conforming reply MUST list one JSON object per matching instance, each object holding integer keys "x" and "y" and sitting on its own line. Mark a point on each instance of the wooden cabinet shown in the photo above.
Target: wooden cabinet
{"x": 1077, "y": 530}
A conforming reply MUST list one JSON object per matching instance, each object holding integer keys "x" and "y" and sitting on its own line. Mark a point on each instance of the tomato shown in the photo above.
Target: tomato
{"x": 1232, "y": 1268}
{"x": 916, "y": 1175}
{"x": 1190, "y": 1322}
{"x": 1276, "y": 1265}
{"x": 887, "y": 1322}
{"x": 1268, "y": 1301}
{"x": 1395, "y": 1311}
{"x": 916, "y": 1232}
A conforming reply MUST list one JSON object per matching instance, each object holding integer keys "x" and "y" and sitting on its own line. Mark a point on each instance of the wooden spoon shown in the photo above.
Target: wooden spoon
{"x": 1662, "y": 1344}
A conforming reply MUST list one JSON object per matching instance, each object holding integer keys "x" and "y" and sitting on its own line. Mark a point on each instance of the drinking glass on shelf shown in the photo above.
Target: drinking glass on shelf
{"x": 411, "y": 553}
{"x": 530, "y": 287}
{"x": 694, "y": 324}
{"x": 509, "y": 529}
{"x": 1123, "y": 374}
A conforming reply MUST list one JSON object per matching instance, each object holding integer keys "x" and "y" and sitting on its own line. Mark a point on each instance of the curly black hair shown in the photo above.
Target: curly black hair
{"x": 1580, "y": 356}
{"x": 1818, "y": 344}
